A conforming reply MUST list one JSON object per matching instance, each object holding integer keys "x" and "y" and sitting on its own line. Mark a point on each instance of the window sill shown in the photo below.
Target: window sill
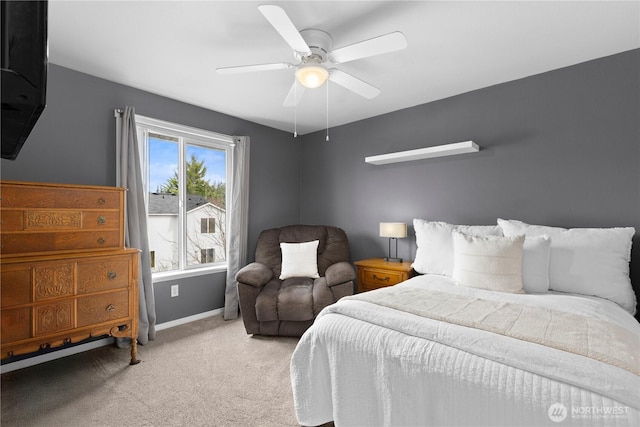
{"x": 173, "y": 275}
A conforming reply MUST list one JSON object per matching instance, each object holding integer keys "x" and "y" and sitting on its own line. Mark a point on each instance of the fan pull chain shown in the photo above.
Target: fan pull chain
{"x": 327, "y": 138}
{"x": 295, "y": 109}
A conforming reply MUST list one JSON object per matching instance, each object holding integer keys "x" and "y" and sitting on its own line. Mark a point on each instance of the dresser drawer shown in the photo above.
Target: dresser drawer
{"x": 55, "y": 220}
{"x": 58, "y": 196}
{"x": 100, "y": 308}
{"x": 23, "y": 243}
{"x": 104, "y": 274}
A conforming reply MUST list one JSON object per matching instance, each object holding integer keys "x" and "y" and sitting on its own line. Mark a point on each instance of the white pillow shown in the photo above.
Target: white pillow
{"x": 434, "y": 254}
{"x": 588, "y": 261}
{"x": 488, "y": 262}
{"x": 299, "y": 260}
{"x": 535, "y": 264}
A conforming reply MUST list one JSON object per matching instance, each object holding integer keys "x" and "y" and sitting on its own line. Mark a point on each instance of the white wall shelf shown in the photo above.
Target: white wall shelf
{"x": 424, "y": 153}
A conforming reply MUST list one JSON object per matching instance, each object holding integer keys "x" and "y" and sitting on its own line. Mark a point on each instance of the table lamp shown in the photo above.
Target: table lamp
{"x": 395, "y": 231}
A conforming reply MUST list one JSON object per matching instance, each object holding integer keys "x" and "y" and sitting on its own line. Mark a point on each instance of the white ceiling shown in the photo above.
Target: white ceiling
{"x": 172, "y": 48}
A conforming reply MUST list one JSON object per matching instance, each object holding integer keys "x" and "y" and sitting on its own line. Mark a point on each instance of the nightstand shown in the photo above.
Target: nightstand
{"x": 377, "y": 273}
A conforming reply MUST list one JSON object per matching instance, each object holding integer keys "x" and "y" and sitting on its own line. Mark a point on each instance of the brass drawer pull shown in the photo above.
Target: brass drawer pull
{"x": 112, "y": 274}
{"x": 102, "y": 220}
{"x": 101, "y": 240}
{"x": 382, "y": 279}
{"x": 111, "y": 308}
{"x": 101, "y": 201}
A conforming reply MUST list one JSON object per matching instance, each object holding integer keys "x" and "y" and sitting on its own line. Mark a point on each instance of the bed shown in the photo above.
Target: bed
{"x": 461, "y": 344}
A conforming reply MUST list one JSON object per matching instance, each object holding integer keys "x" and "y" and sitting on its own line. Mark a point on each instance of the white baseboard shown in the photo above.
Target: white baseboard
{"x": 189, "y": 319}
{"x": 42, "y": 358}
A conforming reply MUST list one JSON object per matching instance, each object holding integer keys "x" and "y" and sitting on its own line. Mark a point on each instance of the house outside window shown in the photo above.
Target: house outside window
{"x": 187, "y": 176}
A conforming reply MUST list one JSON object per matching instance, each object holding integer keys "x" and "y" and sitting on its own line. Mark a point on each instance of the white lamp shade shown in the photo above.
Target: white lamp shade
{"x": 393, "y": 229}
{"x": 312, "y": 76}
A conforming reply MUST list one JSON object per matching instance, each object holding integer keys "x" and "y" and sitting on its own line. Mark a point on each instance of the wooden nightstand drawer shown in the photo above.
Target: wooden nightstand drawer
{"x": 380, "y": 278}
{"x": 377, "y": 273}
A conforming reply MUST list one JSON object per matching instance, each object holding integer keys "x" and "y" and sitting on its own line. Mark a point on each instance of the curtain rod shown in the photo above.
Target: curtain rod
{"x": 117, "y": 112}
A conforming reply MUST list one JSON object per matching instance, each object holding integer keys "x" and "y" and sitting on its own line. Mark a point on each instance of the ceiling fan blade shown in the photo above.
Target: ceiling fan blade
{"x": 279, "y": 19}
{"x": 252, "y": 68}
{"x": 353, "y": 84}
{"x": 295, "y": 95}
{"x": 375, "y": 46}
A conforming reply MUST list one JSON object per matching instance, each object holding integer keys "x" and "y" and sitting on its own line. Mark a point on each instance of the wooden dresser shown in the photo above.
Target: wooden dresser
{"x": 65, "y": 274}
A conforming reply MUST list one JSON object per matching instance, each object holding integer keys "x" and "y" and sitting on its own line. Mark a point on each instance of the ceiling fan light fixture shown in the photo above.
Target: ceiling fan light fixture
{"x": 312, "y": 75}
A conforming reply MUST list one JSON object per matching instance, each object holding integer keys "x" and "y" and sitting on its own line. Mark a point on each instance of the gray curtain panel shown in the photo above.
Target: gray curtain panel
{"x": 238, "y": 217}
{"x": 136, "y": 236}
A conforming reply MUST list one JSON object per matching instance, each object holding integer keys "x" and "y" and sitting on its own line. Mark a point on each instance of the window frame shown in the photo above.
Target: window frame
{"x": 187, "y": 136}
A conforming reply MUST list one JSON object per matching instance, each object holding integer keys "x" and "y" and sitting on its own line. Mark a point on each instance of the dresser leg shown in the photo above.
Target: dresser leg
{"x": 134, "y": 352}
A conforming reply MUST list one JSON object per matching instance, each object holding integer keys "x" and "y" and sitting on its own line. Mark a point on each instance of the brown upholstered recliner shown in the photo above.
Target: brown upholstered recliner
{"x": 271, "y": 306}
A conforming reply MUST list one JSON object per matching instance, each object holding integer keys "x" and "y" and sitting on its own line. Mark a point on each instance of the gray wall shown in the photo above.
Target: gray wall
{"x": 560, "y": 148}
{"x": 74, "y": 142}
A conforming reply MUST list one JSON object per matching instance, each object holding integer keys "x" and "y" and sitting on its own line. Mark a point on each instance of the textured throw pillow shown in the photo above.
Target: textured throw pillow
{"x": 535, "y": 264}
{"x": 299, "y": 260}
{"x": 434, "y": 253}
{"x": 488, "y": 262}
{"x": 588, "y": 261}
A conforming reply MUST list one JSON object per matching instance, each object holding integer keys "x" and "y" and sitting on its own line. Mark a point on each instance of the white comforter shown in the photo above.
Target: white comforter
{"x": 364, "y": 364}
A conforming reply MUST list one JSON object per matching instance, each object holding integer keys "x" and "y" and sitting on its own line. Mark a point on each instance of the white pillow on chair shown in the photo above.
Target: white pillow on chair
{"x": 299, "y": 260}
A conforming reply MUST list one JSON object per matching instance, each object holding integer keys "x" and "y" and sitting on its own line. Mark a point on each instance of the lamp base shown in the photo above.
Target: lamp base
{"x": 389, "y": 259}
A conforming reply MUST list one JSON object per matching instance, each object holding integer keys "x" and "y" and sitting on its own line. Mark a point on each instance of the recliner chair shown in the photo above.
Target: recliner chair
{"x": 271, "y": 306}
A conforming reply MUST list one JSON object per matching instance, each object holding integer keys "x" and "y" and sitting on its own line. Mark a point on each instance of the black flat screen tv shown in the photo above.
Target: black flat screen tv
{"x": 24, "y": 71}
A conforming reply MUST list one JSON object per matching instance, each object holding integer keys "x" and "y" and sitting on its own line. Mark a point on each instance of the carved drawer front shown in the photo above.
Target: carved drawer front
{"x": 51, "y": 242}
{"x": 53, "y": 196}
{"x": 103, "y": 307}
{"x": 16, "y": 286}
{"x": 54, "y": 317}
{"x": 53, "y": 280}
{"x": 16, "y": 324}
{"x": 55, "y": 220}
{"x": 104, "y": 274}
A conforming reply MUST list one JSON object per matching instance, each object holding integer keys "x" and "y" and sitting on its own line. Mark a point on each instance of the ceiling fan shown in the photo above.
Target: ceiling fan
{"x": 312, "y": 49}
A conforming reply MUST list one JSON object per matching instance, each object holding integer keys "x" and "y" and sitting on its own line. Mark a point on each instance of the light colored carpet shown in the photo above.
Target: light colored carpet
{"x": 205, "y": 373}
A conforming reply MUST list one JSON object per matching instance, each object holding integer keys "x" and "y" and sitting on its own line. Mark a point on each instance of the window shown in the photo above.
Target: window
{"x": 207, "y": 225}
{"x": 207, "y": 255}
{"x": 187, "y": 173}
